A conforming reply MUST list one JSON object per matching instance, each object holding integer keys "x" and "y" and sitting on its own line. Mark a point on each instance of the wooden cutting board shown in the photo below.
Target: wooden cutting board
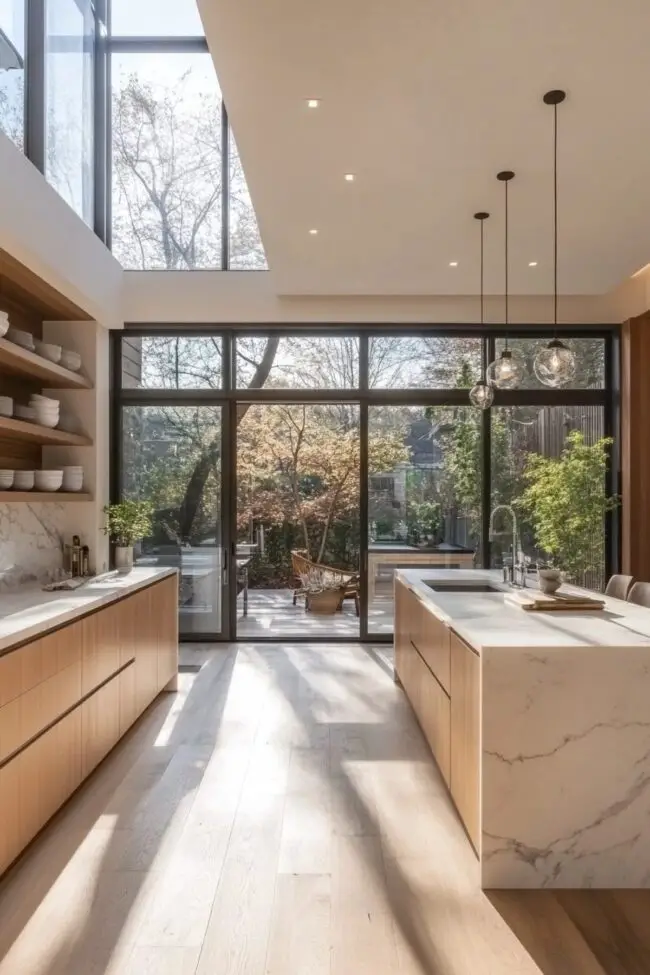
{"x": 540, "y": 602}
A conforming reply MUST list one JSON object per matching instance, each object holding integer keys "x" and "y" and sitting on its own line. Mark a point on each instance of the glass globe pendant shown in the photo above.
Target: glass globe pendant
{"x": 555, "y": 365}
{"x": 481, "y": 395}
{"x": 507, "y": 371}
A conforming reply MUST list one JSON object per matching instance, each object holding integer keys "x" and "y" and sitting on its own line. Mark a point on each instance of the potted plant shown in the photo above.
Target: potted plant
{"x": 127, "y": 523}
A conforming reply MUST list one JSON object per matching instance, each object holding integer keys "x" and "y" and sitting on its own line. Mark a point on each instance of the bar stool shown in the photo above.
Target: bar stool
{"x": 618, "y": 587}
{"x": 640, "y": 594}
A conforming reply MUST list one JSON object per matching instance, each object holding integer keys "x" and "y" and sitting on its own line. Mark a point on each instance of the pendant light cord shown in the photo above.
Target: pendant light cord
{"x": 555, "y": 220}
{"x": 506, "y": 262}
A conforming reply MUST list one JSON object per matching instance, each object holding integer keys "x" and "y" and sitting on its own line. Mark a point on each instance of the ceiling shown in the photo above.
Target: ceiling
{"x": 425, "y": 102}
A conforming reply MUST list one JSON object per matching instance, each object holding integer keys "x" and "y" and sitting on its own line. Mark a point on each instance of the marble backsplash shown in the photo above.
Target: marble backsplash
{"x": 31, "y": 543}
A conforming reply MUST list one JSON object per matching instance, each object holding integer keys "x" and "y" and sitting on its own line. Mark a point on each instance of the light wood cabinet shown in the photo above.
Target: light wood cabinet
{"x": 466, "y": 735}
{"x": 435, "y": 718}
{"x": 432, "y": 640}
{"x": 67, "y": 698}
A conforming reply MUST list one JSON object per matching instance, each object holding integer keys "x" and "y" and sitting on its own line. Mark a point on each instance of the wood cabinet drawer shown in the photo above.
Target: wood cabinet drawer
{"x": 431, "y": 637}
{"x": 434, "y": 714}
{"x": 100, "y": 725}
{"x": 466, "y": 735}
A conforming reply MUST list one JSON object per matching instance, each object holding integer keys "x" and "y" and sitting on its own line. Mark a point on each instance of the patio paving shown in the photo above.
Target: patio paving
{"x": 271, "y": 613}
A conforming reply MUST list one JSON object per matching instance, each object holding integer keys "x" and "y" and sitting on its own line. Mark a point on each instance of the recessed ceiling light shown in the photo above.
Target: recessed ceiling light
{"x": 313, "y": 102}
{"x": 349, "y": 177}
{"x": 532, "y": 264}
{"x": 313, "y": 231}
{"x": 453, "y": 264}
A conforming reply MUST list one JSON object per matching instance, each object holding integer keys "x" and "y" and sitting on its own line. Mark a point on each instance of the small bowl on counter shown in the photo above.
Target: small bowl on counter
{"x": 48, "y": 351}
{"x": 48, "y": 480}
{"x": 23, "y": 480}
{"x": 6, "y": 480}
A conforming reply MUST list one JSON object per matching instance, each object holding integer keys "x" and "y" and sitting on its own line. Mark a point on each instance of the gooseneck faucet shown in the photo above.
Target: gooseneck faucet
{"x": 492, "y": 534}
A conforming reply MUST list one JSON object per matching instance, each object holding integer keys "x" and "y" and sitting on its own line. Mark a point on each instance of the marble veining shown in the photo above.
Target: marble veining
{"x": 31, "y": 544}
{"x": 566, "y": 769}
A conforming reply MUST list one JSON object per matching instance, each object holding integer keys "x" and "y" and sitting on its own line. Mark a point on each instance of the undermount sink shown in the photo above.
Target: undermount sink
{"x": 461, "y": 587}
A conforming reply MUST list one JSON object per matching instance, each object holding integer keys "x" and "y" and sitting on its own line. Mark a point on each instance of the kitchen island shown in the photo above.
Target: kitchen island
{"x": 77, "y": 668}
{"x": 540, "y": 725}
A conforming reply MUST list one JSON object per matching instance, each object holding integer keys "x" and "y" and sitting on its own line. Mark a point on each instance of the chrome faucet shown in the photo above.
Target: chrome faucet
{"x": 492, "y": 534}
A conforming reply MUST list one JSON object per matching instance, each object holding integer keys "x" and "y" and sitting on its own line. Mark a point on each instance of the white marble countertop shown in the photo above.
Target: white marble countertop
{"x": 27, "y": 613}
{"x": 487, "y": 621}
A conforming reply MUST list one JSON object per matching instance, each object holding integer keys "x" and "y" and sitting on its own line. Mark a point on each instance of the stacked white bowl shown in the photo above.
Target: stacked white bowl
{"x": 70, "y": 360}
{"x": 48, "y": 351}
{"x": 19, "y": 337}
{"x": 48, "y": 480}
{"x": 73, "y": 478}
{"x": 6, "y": 480}
{"x": 23, "y": 480}
{"x": 6, "y": 406}
{"x": 46, "y": 410}
{"x": 4, "y": 323}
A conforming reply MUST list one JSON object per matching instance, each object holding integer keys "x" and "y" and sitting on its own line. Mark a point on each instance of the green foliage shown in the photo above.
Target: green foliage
{"x": 566, "y": 501}
{"x": 128, "y": 521}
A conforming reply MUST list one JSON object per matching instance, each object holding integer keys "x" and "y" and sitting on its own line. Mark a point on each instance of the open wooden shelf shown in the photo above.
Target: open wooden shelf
{"x": 21, "y": 362}
{"x": 11, "y": 429}
{"x": 56, "y": 496}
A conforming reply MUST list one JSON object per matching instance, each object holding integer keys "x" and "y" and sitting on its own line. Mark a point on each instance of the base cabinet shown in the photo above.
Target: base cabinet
{"x": 465, "y": 735}
{"x": 68, "y": 698}
{"x": 441, "y": 677}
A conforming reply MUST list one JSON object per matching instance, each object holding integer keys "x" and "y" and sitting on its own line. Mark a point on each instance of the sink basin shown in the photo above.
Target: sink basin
{"x": 461, "y": 587}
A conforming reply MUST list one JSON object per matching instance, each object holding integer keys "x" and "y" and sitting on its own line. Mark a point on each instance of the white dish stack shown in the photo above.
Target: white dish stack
{"x": 47, "y": 351}
{"x": 46, "y": 410}
{"x": 4, "y": 323}
{"x": 6, "y": 406}
{"x": 23, "y": 480}
{"x": 6, "y": 480}
{"x": 73, "y": 478}
{"x": 24, "y": 339}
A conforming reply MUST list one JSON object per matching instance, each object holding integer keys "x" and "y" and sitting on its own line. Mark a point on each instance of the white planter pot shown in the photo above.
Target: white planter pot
{"x": 123, "y": 558}
{"x": 549, "y": 580}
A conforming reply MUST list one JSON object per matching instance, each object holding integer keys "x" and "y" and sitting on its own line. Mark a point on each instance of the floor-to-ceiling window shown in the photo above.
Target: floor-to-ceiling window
{"x": 12, "y": 70}
{"x": 293, "y": 471}
{"x": 178, "y": 198}
{"x": 69, "y": 103}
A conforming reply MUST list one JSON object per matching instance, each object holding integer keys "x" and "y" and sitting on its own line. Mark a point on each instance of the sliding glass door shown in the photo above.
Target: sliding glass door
{"x": 292, "y": 471}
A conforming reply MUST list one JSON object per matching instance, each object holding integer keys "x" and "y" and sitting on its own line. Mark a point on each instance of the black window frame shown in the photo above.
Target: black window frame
{"x": 364, "y": 396}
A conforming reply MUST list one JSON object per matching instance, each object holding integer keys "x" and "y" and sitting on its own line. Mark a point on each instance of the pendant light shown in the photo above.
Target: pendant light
{"x": 556, "y": 364}
{"x": 482, "y": 394}
{"x": 507, "y": 371}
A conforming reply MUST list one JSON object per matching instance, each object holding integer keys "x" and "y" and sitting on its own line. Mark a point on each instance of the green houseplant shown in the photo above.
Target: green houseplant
{"x": 126, "y": 523}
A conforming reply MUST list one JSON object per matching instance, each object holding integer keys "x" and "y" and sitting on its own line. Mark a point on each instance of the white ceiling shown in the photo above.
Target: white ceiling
{"x": 425, "y": 102}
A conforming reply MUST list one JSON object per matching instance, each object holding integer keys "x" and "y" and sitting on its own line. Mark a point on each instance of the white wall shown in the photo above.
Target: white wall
{"x": 249, "y": 296}
{"x": 39, "y": 229}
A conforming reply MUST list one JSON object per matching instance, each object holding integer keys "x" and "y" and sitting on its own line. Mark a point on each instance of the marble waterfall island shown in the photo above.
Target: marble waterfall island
{"x": 540, "y": 724}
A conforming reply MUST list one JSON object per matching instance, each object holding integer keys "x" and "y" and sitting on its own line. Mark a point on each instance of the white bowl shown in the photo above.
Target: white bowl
{"x": 24, "y": 339}
{"x": 41, "y": 410}
{"x": 50, "y": 352}
{"x": 6, "y": 479}
{"x": 45, "y": 400}
{"x": 48, "y": 480}
{"x": 6, "y": 406}
{"x": 23, "y": 480}
{"x": 70, "y": 360}
{"x": 4, "y": 323}
{"x": 25, "y": 412}
{"x": 48, "y": 421}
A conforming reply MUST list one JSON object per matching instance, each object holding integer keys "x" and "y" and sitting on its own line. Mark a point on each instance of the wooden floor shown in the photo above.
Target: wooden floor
{"x": 281, "y": 816}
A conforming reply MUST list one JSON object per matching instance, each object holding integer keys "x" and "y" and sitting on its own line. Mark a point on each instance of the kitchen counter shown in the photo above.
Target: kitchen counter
{"x": 487, "y": 621}
{"x": 28, "y": 612}
{"x": 558, "y": 753}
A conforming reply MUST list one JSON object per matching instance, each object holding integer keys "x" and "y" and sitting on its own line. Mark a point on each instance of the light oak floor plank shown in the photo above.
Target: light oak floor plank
{"x": 281, "y": 815}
